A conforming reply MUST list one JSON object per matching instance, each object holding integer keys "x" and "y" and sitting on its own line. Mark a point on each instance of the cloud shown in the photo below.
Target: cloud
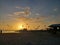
{"x": 19, "y": 7}
{"x": 22, "y": 13}
{"x": 19, "y": 13}
{"x": 56, "y": 9}
{"x": 37, "y": 14}
{"x": 25, "y": 11}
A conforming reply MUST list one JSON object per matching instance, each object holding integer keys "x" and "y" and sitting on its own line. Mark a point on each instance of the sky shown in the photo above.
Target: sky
{"x": 31, "y": 14}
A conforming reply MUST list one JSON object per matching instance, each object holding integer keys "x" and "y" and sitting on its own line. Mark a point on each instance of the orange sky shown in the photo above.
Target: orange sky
{"x": 27, "y": 23}
{"x": 29, "y": 14}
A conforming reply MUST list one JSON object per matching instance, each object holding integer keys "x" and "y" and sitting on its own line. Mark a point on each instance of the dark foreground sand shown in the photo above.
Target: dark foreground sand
{"x": 30, "y": 38}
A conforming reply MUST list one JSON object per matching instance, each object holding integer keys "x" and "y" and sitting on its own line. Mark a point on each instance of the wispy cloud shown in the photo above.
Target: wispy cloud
{"x": 19, "y": 13}
{"x": 19, "y": 7}
{"x": 26, "y": 11}
{"x": 55, "y": 9}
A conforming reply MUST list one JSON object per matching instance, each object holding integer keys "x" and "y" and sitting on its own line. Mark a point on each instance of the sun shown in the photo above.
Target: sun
{"x": 21, "y": 26}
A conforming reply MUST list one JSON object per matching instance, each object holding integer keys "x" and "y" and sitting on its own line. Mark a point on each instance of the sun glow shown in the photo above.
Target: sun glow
{"x": 21, "y": 26}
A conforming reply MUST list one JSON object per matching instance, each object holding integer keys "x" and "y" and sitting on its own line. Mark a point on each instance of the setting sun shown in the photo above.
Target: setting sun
{"x": 21, "y": 26}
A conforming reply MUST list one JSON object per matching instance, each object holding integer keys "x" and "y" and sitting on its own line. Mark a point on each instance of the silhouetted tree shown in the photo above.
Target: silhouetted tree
{"x": 1, "y": 31}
